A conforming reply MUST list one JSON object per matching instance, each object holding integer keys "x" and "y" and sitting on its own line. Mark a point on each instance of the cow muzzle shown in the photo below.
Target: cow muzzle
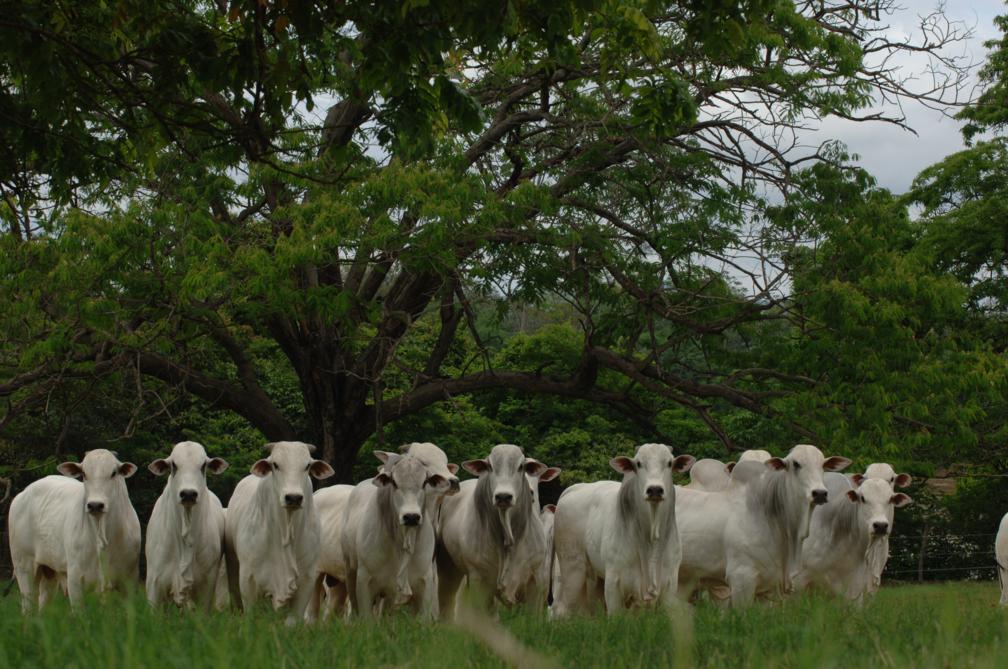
{"x": 411, "y": 519}
{"x": 188, "y": 497}
{"x": 655, "y": 493}
{"x": 453, "y": 485}
{"x": 293, "y": 500}
{"x": 95, "y": 508}
{"x": 504, "y": 500}
{"x": 880, "y": 528}
{"x": 819, "y": 496}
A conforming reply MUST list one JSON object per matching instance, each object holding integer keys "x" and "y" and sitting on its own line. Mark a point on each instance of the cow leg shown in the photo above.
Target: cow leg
{"x": 742, "y": 581}
{"x": 336, "y": 599}
{"x": 248, "y": 591}
{"x": 449, "y": 580}
{"x": 233, "y": 571}
{"x": 75, "y": 589}
{"x": 312, "y": 611}
{"x": 365, "y": 600}
{"x": 569, "y": 591}
{"x": 613, "y": 592}
{"x": 26, "y": 576}
{"x": 300, "y": 601}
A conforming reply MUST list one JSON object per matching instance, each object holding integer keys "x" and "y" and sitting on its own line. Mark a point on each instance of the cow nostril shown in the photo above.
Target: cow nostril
{"x": 411, "y": 519}
{"x": 293, "y": 500}
{"x": 504, "y": 498}
{"x": 655, "y": 491}
{"x": 96, "y": 507}
{"x": 453, "y": 485}
{"x": 188, "y": 496}
{"x": 819, "y": 496}
{"x": 880, "y": 527}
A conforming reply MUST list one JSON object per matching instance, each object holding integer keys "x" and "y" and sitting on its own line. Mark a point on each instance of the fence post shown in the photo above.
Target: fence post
{"x": 920, "y": 555}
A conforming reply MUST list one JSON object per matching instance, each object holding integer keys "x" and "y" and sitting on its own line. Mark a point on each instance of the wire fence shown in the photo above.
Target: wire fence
{"x": 932, "y": 555}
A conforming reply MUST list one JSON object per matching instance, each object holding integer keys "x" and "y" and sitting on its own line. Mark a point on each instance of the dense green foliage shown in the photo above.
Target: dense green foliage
{"x": 927, "y": 626}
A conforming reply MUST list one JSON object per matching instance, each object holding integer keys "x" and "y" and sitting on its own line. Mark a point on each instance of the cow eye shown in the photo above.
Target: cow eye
{"x": 670, "y": 464}
{"x": 203, "y": 467}
{"x": 276, "y": 467}
{"x": 638, "y": 464}
{"x": 113, "y": 474}
{"x": 797, "y": 466}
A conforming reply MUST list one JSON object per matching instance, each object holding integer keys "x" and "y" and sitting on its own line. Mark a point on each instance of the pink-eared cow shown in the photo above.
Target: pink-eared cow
{"x": 492, "y": 534}
{"x": 271, "y": 530}
{"x": 621, "y": 535}
{"x": 388, "y": 537}
{"x": 846, "y": 549}
{"x": 749, "y": 537}
{"x": 79, "y": 529}
{"x": 185, "y": 535}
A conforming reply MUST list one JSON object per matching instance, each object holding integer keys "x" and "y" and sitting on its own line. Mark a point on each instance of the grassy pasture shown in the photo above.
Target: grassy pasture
{"x": 947, "y": 625}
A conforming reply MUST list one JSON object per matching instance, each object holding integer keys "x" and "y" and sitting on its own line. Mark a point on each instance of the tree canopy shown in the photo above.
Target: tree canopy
{"x": 316, "y": 216}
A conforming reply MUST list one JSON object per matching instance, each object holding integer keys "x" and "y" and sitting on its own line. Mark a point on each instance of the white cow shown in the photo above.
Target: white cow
{"x": 81, "y": 533}
{"x": 622, "y": 535}
{"x": 436, "y": 462}
{"x": 491, "y": 532}
{"x": 185, "y": 535}
{"x": 749, "y": 537}
{"x": 330, "y": 505}
{"x": 388, "y": 537}
{"x": 1001, "y": 557}
{"x": 755, "y": 455}
{"x": 846, "y": 549}
{"x": 271, "y": 530}
{"x": 710, "y": 475}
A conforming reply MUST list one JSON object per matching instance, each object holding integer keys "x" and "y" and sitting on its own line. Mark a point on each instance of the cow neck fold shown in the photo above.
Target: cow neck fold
{"x": 290, "y": 524}
{"x": 186, "y": 524}
{"x": 502, "y": 528}
{"x": 108, "y": 527}
{"x": 398, "y": 534}
{"x": 649, "y": 526}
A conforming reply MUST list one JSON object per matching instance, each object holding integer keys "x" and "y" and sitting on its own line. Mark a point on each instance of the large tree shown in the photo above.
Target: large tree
{"x": 198, "y": 187}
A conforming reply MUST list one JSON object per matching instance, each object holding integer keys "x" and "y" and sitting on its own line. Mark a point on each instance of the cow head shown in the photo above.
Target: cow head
{"x": 506, "y": 470}
{"x": 877, "y": 502}
{"x": 652, "y": 467}
{"x": 187, "y": 467}
{"x": 884, "y": 471}
{"x": 435, "y": 460}
{"x": 408, "y": 481}
{"x": 103, "y": 477}
{"x": 807, "y": 464}
{"x": 536, "y": 475}
{"x": 287, "y": 470}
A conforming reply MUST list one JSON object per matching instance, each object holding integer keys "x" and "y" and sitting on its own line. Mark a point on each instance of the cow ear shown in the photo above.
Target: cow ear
{"x": 730, "y": 466}
{"x": 534, "y": 468}
{"x": 835, "y": 463}
{"x": 159, "y": 467}
{"x": 902, "y": 480}
{"x": 382, "y": 480}
{"x": 853, "y": 496}
{"x": 776, "y": 463}
{"x": 453, "y": 468}
{"x": 900, "y": 499}
{"x": 261, "y": 468}
{"x": 683, "y": 463}
{"x": 476, "y": 467}
{"x": 127, "y": 469}
{"x": 550, "y": 474}
{"x": 217, "y": 465}
{"x": 623, "y": 464}
{"x": 857, "y": 479}
{"x": 320, "y": 469}
{"x": 437, "y": 482}
{"x": 71, "y": 469}
{"x": 388, "y": 458}
{"x": 550, "y": 507}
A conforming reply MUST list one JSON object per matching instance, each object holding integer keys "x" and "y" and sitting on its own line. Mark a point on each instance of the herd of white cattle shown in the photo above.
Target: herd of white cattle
{"x": 413, "y": 536}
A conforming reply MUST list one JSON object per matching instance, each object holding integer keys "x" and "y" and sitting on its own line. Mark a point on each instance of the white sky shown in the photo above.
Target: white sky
{"x": 895, "y": 155}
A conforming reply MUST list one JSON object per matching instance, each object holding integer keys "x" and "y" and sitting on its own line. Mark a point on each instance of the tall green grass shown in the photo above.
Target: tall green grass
{"x": 950, "y": 625}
